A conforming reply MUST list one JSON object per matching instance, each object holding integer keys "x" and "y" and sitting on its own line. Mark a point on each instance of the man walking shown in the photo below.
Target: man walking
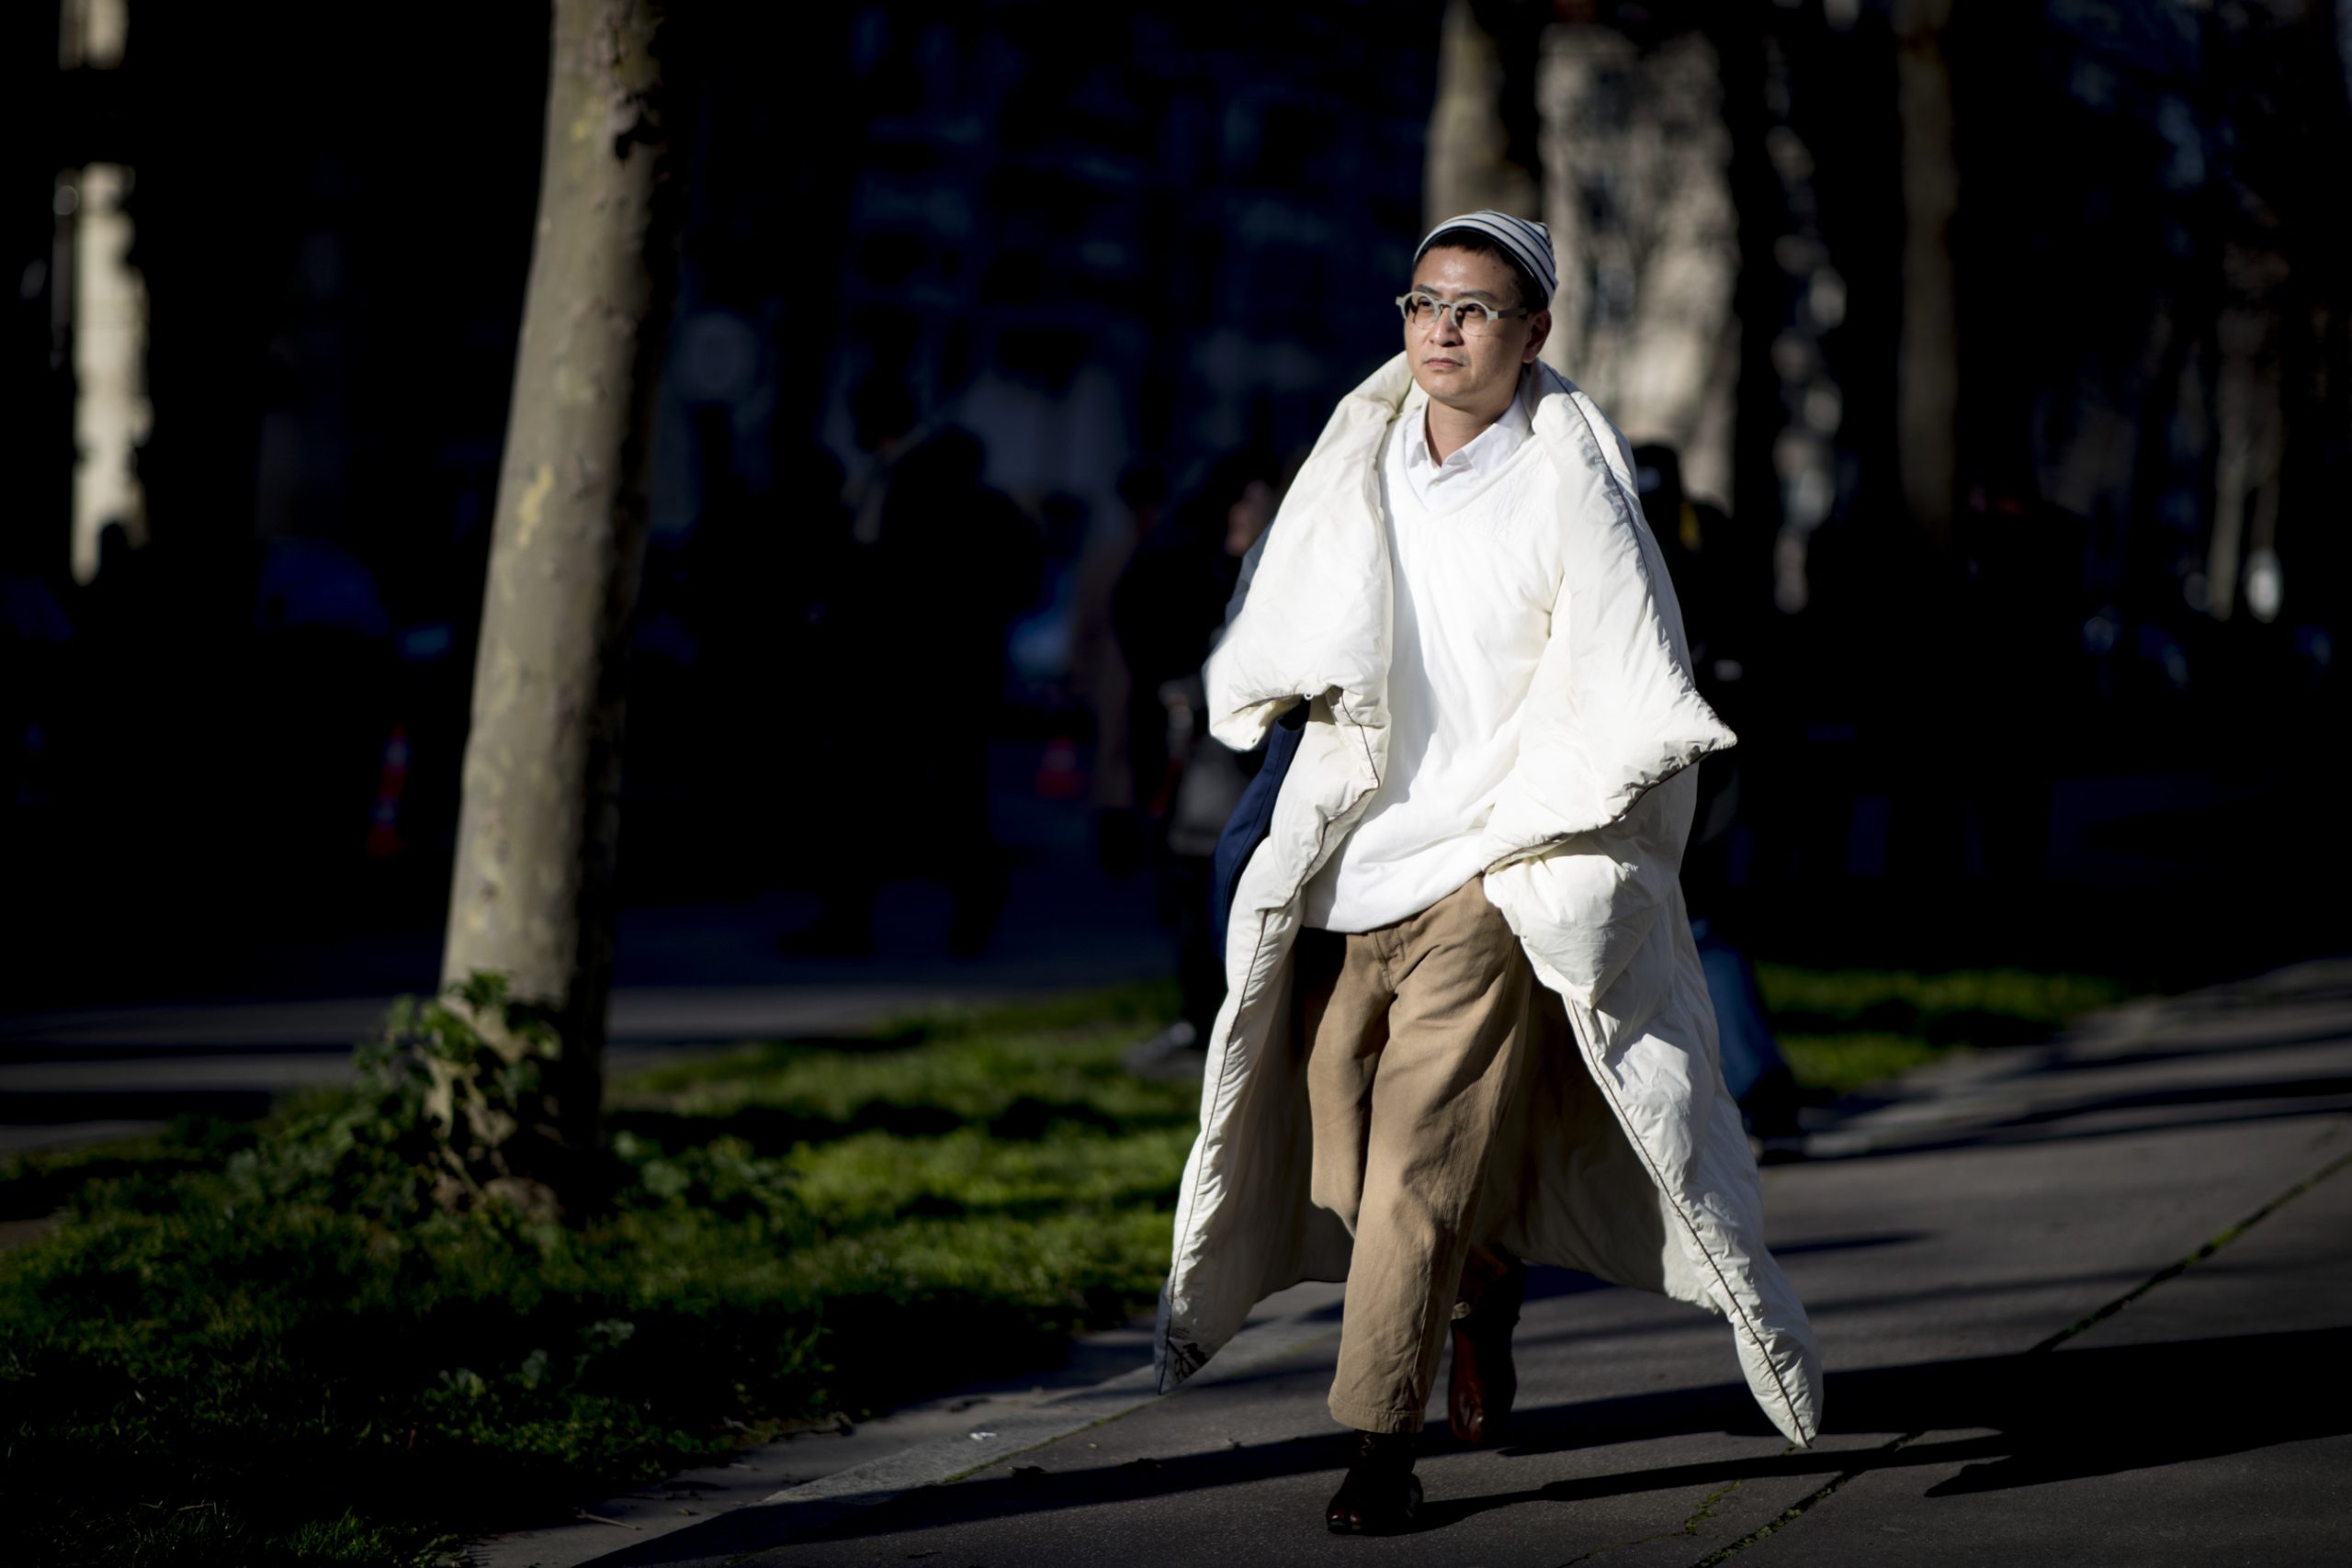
{"x": 1465, "y": 1024}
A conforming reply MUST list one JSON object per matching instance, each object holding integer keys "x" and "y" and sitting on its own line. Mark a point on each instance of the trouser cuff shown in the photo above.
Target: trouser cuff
{"x": 1370, "y": 1418}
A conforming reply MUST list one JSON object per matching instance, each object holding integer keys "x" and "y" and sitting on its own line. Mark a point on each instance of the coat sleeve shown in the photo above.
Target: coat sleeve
{"x": 1315, "y": 622}
{"x": 1586, "y": 903}
{"x": 1612, "y": 711}
{"x": 1587, "y": 835}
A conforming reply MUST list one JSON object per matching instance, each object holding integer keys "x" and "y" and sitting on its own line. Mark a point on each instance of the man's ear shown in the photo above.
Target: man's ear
{"x": 1539, "y": 327}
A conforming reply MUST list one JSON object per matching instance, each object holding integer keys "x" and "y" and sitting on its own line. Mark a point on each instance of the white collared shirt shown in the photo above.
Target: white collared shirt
{"x": 1476, "y": 545}
{"x": 1444, "y": 486}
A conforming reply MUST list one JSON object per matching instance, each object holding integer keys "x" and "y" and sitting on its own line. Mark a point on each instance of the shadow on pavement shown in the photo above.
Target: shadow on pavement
{"x": 2241, "y": 1040}
{"x": 2022, "y": 1420}
{"x": 2169, "y": 1109}
{"x": 2044, "y": 1418}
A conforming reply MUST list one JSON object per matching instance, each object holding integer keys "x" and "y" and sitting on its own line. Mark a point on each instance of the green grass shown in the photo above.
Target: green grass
{"x": 1833, "y": 1065}
{"x": 266, "y": 1344}
{"x": 260, "y": 1346}
{"x": 1844, "y": 1029}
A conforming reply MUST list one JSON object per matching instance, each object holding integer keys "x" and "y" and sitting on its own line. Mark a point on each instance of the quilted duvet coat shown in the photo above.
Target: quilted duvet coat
{"x": 1621, "y": 1155}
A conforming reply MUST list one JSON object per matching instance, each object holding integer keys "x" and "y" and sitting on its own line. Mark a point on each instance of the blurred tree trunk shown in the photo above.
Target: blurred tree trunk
{"x": 531, "y": 901}
{"x": 1927, "y": 385}
{"x": 1481, "y": 147}
{"x": 1636, "y": 159}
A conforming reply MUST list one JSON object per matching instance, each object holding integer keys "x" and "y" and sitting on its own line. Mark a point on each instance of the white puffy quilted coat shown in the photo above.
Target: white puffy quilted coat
{"x": 1622, "y": 1155}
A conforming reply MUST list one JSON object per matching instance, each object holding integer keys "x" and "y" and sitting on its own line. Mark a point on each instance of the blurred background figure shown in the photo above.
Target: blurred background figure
{"x": 1164, "y": 611}
{"x": 734, "y": 629}
{"x": 911, "y": 668}
{"x": 1099, "y": 668}
{"x": 37, "y": 705}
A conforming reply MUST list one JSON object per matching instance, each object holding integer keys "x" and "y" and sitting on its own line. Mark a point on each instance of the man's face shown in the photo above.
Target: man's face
{"x": 1453, "y": 367}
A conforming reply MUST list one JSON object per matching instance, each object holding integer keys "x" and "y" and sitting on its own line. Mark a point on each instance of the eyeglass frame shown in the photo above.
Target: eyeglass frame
{"x": 1452, "y": 310}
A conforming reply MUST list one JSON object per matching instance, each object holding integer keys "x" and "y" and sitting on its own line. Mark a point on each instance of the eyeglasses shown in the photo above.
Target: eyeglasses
{"x": 1473, "y": 318}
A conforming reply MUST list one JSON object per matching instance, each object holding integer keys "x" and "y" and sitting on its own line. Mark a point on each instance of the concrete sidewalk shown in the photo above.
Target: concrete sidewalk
{"x": 86, "y": 1076}
{"x": 2083, "y": 1304}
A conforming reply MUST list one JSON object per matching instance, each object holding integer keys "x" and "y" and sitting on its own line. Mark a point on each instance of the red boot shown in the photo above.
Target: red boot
{"x": 1484, "y": 1381}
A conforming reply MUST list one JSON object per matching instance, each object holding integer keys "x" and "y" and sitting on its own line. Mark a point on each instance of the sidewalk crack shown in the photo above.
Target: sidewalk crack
{"x": 2214, "y": 1244}
{"x": 1698, "y": 1516}
{"x": 1804, "y": 1506}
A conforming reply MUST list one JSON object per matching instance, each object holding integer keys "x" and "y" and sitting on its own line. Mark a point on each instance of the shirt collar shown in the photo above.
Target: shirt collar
{"x": 1478, "y": 456}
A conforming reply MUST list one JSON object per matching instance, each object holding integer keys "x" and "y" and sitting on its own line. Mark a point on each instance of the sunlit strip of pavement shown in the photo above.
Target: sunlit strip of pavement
{"x": 73, "y": 1078}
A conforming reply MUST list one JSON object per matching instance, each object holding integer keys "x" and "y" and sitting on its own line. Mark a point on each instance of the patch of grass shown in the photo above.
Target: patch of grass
{"x": 1008, "y": 1076}
{"x": 1843, "y": 1029}
{"x": 261, "y": 1345}
{"x": 1841, "y": 1064}
{"x": 45, "y": 1180}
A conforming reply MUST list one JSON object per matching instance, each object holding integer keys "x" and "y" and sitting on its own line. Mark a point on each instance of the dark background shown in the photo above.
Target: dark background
{"x": 1099, "y": 237}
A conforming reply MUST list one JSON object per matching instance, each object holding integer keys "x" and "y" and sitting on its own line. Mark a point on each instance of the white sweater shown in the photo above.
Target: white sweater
{"x": 1476, "y": 544}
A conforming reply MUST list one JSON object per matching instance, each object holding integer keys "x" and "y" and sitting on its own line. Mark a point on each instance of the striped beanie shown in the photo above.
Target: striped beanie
{"x": 1531, "y": 242}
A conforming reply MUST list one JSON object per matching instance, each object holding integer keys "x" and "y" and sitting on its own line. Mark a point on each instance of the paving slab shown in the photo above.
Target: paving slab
{"x": 1964, "y": 1257}
{"x": 868, "y": 1450}
{"x": 836, "y": 1473}
{"x": 2205, "y": 1422}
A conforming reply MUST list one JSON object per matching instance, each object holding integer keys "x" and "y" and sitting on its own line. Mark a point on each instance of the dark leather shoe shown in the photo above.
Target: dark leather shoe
{"x": 1381, "y": 1494}
{"x": 1485, "y": 1382}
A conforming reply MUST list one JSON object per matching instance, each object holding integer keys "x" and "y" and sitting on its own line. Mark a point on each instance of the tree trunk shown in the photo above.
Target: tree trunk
{"x": 1636, "y": 163}
{"x": 1472, "y": 162}
{"x": 531, "y": 900}
{"x": 1927, "y": 393}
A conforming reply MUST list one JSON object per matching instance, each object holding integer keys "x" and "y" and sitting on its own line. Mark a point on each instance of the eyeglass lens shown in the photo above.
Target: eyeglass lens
{"x": 1473, "y": 316}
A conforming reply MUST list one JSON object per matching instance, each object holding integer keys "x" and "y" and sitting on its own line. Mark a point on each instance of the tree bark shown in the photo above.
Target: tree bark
{"x": 531, "y": 900}
{"x": 1927, "y": 393}
{"x": 1636, "y": 163}
{"x": 1471, "y": 162}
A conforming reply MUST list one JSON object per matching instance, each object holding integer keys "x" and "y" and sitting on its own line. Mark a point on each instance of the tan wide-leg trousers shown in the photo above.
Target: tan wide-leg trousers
{"x": 1416, "y": 1032}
